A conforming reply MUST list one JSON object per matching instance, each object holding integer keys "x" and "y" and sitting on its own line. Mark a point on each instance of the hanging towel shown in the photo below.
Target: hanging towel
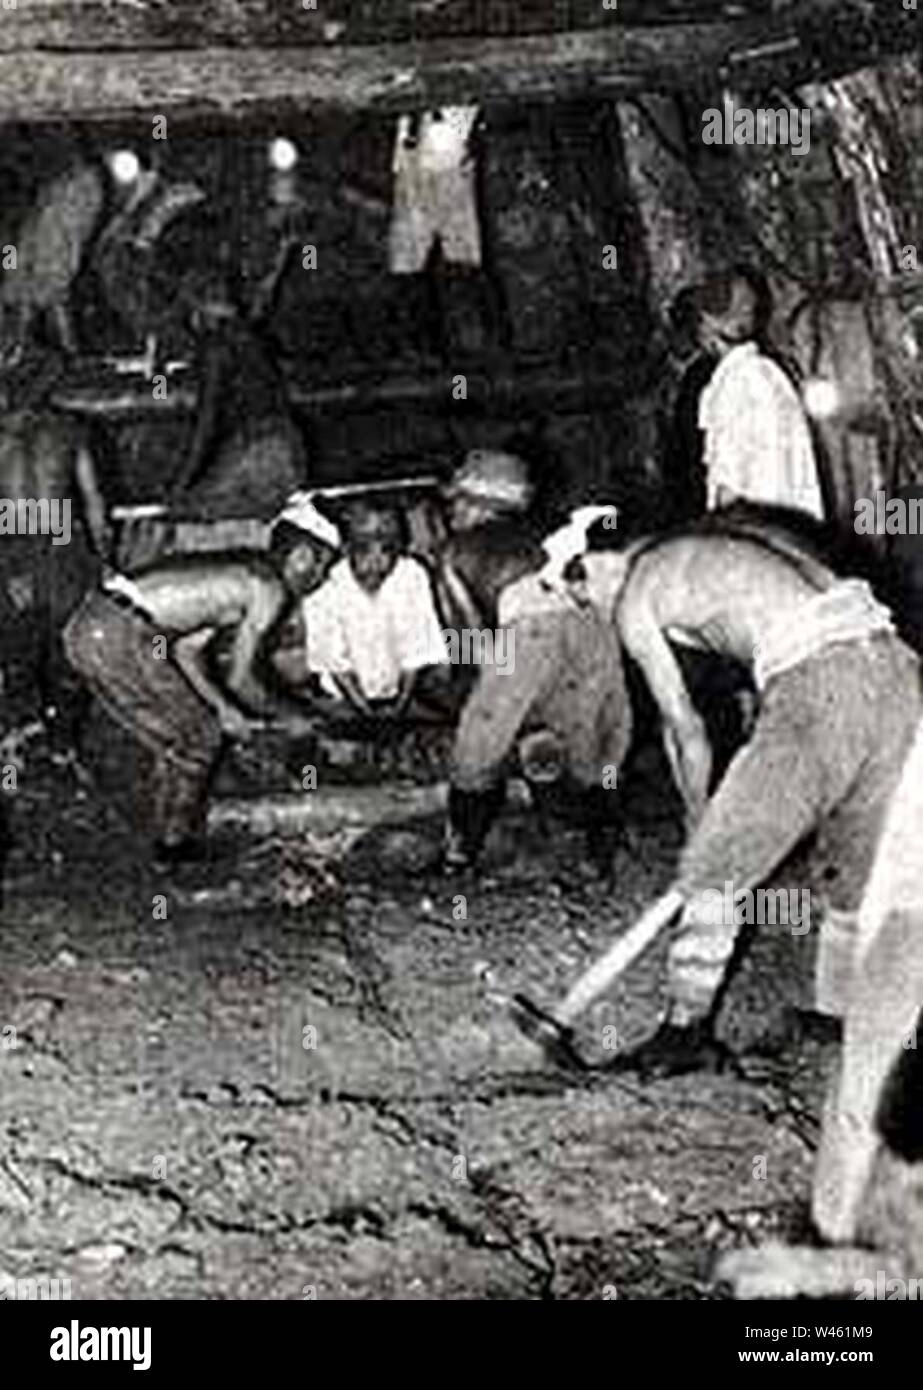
{"x": 434, "y": 191}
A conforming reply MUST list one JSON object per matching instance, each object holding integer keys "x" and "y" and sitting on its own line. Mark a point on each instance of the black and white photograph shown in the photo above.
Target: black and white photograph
{"x": 461, "y": 613}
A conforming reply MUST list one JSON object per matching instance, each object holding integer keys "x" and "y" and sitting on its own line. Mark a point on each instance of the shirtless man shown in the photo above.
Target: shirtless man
{"x": 142, "y": 645}
{"x": 839, "y": 703}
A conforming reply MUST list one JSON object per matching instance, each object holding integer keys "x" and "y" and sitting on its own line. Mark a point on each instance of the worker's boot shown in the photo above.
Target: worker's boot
{"x": 178, "y": 813}
{"x": 674, "y": 1050}
{"x": 696, "y": 977}
{"x": 602, "y": 827}
{"x": 471, "y": 815}
{"x": 591, "y": 809}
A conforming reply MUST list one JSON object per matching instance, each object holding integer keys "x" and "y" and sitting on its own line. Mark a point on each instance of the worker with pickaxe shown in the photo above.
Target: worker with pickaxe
{"x": 839, "y": 702}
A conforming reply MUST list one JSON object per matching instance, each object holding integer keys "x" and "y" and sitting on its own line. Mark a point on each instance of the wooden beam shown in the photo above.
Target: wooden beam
{"x": 85, "y": 25}
{"x": 488, "y": 392}
{"x": 611, "y": 61}
{"x": 82, "y": 25}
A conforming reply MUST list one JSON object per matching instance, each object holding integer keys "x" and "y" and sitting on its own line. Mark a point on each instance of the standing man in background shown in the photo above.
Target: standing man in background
{"x": 758, "y": 445}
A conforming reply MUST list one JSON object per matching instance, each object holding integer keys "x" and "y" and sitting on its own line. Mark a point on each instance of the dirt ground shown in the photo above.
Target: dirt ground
{"x": 207, "y": 1093}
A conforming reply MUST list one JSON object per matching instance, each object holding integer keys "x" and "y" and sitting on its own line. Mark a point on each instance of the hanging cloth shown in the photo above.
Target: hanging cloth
{"x": 434, "y": 191}
{"x": 51, "y": 242}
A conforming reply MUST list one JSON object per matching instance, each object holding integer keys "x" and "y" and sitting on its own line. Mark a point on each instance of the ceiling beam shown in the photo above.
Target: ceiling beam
{"x": 612, "y": 61}
{"x": 546, "y": 387}
{"x": 84, "y": 25}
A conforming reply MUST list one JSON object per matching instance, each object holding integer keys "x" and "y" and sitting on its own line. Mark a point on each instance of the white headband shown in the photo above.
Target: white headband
{"x": 570, "y": 540}
{"x": 300, "y": 511}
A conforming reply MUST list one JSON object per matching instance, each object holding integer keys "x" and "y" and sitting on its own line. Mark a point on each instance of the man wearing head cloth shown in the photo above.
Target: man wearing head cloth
{"x": 142, "y": 643}
{"x": 561, "y": 695}
{"x": 838, "y": 704}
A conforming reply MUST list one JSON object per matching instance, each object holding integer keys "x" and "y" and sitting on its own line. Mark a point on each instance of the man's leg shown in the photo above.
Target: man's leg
{"x": 882, "y": 1010}
{"x": 827, "y": 750}
{"x": 178, "y": 792}
{"x": 878, "y": 1061}
{"x": 494, "y": 713}
{"x": 850, "y": 840}
{"x": 769, "y": 800}
{"x": 884, "y": 1000}
{"x": 149, "y": 697}
{"x": 589, "y": 720}
{"x": 815, "y": 735}
{"x": 765, "y": 805}
{"x": 771, "y": 797}
{"x": 471, "y": 814}
{"x": 593, "y": 810}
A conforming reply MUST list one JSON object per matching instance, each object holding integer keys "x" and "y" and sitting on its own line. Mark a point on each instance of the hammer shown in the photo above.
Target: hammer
{"x": 553, "y": 1031}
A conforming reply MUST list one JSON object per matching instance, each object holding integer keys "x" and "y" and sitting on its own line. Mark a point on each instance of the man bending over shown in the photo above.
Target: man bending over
{"x": 144, "y": 647}
{"x": 839, "y": 702}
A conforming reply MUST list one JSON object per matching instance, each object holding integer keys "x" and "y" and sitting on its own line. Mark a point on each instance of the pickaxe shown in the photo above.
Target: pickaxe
{"x": 554, "y": 1031}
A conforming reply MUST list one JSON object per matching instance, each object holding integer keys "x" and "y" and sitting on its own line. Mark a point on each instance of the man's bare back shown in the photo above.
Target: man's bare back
{"x": 718, "y": 593}
{"x": 721, "y": 593}
{"x": 194, "y": 601}
{"x": 187, "y": 597}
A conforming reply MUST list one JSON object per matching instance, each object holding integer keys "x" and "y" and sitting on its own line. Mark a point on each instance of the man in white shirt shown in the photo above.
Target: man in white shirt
{"x": 758, "y": 445}
{"x": 372, "y": 626}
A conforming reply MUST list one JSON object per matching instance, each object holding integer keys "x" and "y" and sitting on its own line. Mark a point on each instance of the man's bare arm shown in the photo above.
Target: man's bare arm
{"x": 265, "y": 603}
{"x": 684, "y": 735}
{"x": 286, "y": 654}
{"x": 189, "y": 655}
{"x": 348, "y": 685}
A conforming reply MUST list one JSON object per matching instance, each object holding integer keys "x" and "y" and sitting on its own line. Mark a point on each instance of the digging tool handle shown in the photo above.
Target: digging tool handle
{"x": 619, "y": 956}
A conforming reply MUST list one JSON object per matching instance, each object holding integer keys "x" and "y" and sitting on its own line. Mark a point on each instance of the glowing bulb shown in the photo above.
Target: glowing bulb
{"x": 913, "y": 335}
{"x": 821, "y": 398}
{"x": 283, "y": 155}
{"x": 125, "y": 166}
